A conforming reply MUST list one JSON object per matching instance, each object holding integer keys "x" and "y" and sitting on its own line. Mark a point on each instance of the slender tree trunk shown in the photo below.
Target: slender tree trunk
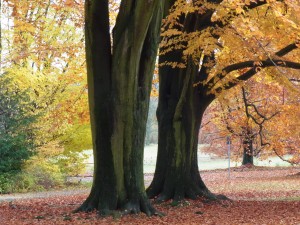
{"x": 98, "y": 56}
{"x": 248, "y": 152}
{"x": 0, "y": 37}
{"x": 119, "y": 91}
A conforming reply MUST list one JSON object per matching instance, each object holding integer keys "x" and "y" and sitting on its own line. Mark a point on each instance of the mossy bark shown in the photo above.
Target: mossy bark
{"x": 119, "y": 79}
{"x": 180, "y": 110}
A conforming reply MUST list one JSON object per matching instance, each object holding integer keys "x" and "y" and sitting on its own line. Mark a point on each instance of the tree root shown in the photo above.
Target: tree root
{"x": 87, "y": 206}
{"x": 143, "y": 205}
{"x": 189, "y": 193}
{"x": 131, "y": 207}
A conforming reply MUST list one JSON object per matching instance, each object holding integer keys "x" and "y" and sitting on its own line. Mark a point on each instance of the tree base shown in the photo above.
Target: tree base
{"x": 142, "y": 204}
{"x": 180, "y": 192}
{"x": 247, "y": 166}
{"x": 137, "y": 206}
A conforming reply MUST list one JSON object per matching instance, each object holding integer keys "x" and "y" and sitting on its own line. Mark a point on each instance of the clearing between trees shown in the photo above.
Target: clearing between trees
{"x": 259, "y": 195}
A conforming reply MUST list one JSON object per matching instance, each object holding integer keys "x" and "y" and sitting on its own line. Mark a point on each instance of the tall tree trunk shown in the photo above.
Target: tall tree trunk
{"x": 179, "y": 113}
{"x": 180, "y": 110}
{"x": 0, "y": 37}
{"x": 248, "y": 152}
{"x": 119, "y": 92}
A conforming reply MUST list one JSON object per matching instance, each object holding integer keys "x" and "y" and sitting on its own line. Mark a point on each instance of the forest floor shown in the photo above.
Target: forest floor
{"x": 259, "y": 195}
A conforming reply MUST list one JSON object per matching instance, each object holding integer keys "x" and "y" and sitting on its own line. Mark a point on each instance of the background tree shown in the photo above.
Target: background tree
{"x": 249, "y": 115}
{"x": 17, "y": 131}
{"x": 283, "y": 134}
{"x": 252, "y": 130}
{"x": 44, "y": 54}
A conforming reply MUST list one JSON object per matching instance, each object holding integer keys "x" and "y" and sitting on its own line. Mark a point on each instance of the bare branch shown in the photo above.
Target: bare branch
{"x": 283, "y": 159}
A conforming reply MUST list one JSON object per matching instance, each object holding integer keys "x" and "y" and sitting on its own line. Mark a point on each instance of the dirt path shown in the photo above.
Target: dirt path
{"x": 43, "y": 194}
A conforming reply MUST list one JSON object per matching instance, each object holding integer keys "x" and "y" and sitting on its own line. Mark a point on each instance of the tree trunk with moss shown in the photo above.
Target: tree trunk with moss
{"x": 180, "y": 110}
{"x": 179, "y": 113}
{"x": 119, "y": 81}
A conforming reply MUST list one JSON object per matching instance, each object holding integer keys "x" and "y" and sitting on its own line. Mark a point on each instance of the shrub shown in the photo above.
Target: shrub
{"x": 16, "y": 128}
{"x": 72, "y": 163}
{"x": 5, "y": 184}
{"x": 46, "y": 174}
{"x": 24, "y": 182}
{"x": 35, "y": 176}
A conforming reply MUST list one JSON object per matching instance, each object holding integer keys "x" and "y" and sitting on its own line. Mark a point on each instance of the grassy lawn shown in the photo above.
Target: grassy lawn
{"x": 205, "y": 162}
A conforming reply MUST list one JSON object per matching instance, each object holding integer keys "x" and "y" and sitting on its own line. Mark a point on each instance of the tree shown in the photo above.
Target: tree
{"x": 198, "y": 31}
{"x": 44, "y": 54}
{"x": 0, "y": 36}
{"x": 16, "y": 128}
{"x": 283, "y": 135}
{"x": 253, "y": 129}
{"x": 260, "y": 119}
{"x": 246, "y": 115}
{"x": 119, "y": 81}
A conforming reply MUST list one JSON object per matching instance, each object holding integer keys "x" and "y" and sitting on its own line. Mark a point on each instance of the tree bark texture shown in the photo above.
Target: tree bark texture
{"x": 119, "y": 80}
{"x": 180, "y": 110}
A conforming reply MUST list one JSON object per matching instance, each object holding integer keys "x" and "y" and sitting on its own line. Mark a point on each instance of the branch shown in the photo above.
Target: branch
{"x": 286, "y": 49}
{"x": 251, "y": 72}
{"x": 260, "y": 124}
{"x": 205, "y": 20}
{"x": 294, "y": 80}
{"x": 255, "y": 68}
{"x": 203, "y": 125}
{"x": 231, "y": 15}
{"x": 262, "y": 64}
{"x": 283, "y": 159}
{"x": 248, "y": 105}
